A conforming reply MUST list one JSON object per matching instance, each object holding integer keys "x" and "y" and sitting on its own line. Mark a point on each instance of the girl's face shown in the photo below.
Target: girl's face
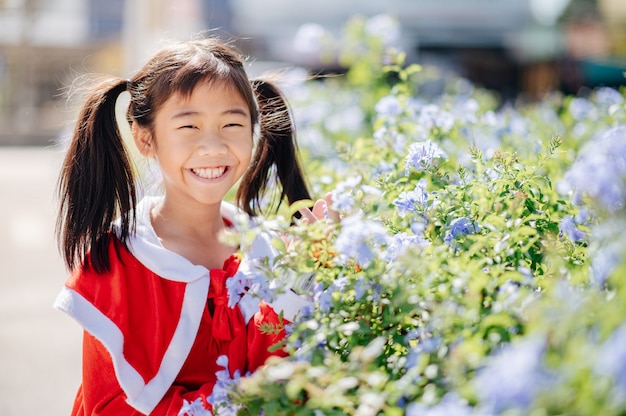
{"x": 203, "y": 142}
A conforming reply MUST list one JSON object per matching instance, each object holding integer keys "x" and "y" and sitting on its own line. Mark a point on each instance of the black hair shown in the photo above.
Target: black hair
{"x": 97, "y": 180}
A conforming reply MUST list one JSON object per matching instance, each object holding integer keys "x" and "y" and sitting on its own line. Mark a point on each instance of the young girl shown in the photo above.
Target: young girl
{"x": 149, "y": 277}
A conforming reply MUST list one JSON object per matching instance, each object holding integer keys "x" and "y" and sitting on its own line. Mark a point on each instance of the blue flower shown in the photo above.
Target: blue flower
{"x": 568, "y": 228}
{"x": 579, "y": 108}
{"x": 421, "y": 155}
{"x": 401, "y": 243}
{"x": 450, "y": 405}
{"x": 425, "y": 345}
{"x": 195, "y": 408}
{"x": 413, "y": 201}
{"x": 513, "y": 378}
{"x": 384, "y": 27}
{"x": 608, "y": 96}
{"x": 343, "y": 197}
{"x": 360, "y": 288}
{"x": 358, "y": 238}
{"x": 323, "y": 297}
{"x": 611, "y": 360}
{"x": 236, "y": 287}
{"x": 388, "y": 106}
{"x": 433, "y": 116}
{"x": 219, "y": 399}
{"x": 458, "y": 227}
{"x": 600, "y": 171}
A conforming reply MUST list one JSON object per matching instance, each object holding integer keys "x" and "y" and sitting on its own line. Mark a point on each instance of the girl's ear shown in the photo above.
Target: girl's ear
{"x": 143, "y": 140}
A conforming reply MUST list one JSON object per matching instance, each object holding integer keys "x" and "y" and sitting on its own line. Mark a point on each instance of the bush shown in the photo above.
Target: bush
{"x": 479, "y": 267}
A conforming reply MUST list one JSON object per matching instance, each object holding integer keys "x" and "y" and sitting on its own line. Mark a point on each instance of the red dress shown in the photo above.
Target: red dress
{"x": 151, "y": 340}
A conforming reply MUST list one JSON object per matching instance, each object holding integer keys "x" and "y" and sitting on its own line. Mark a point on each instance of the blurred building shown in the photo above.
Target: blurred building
{"x": 46, "y": 44}
{"x": 43, "y": 44}
{"x": 511, "y": 46}
{"x": 515, "y": 47}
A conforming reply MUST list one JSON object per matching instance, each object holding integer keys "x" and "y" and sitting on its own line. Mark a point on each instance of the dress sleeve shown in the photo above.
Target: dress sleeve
{"x": 101, "y": 394}
{"x": 259, "y": 341}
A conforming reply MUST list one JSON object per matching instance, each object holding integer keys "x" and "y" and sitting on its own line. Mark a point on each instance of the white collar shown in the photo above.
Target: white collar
{"x": 146, "y": 246}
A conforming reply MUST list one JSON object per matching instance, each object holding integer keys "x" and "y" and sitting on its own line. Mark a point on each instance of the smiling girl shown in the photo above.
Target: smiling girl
{"x": 148, "y": 280}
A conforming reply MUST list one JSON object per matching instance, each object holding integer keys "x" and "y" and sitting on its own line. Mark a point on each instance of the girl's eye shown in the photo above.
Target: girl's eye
{"x": 233, "y": 125}
{"x": 188, "y": 126}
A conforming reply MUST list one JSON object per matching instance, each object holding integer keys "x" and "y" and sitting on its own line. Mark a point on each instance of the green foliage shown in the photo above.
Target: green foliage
{"x": 444, "y": 264}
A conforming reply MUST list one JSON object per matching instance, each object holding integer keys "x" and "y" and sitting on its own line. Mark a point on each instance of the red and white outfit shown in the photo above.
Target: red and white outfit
{"x": 150, "y": 341}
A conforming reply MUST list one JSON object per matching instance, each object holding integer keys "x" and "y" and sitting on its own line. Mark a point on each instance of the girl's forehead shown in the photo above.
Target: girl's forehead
{"x": 203, "y": 99}
{"x": 207, "y": 91}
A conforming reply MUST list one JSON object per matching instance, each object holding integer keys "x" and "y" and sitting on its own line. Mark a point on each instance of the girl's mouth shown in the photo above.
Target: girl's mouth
{"x": 210, "y": 173}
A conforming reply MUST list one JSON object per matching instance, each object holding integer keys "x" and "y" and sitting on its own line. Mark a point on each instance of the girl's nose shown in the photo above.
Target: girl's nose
{"x": 213, "y": 146}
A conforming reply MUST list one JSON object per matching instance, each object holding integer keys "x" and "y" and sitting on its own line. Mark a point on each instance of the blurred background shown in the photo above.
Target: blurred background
{"x": 520, "y": 49}
{"x": 515, "y": 47}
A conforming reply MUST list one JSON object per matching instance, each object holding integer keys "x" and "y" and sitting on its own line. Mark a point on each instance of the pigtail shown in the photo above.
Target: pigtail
{"x": 276, "y": 149}
{"x": 96, "y": 184}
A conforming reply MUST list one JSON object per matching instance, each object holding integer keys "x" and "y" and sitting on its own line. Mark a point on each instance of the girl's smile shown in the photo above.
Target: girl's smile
{"x": 211, "y": 173}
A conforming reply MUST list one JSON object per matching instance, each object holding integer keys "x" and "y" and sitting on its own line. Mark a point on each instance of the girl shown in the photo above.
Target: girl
{"x": 149, "y": 277}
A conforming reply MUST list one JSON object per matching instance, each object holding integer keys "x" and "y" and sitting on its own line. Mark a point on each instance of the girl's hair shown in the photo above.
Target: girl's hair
{"x": 97, "y": 180}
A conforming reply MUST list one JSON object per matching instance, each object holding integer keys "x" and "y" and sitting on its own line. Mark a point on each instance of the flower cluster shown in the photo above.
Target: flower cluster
{"x": 478, "y": 268}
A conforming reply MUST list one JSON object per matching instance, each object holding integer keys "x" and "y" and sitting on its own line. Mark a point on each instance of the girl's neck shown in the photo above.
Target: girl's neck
{"x": 193, "y": 231}
{"x": 189, "y": 219}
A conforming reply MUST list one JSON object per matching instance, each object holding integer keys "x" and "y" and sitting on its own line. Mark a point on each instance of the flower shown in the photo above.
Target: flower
{"x": 568, "y": 228}
{"x": 360, "y": 288}
{"x": 195, "y": 408}
{"x": 608, "y": 96}
{"x": 358, "y": 238}
{"x": 403, "y": 242}
{"x": 388, "y": 106}
{"x": 458, "y": 227}
{"x": 323, "y": 297}
{"x": 432, "y": 116}
{"x": 600, "y": 170}
{"x": 343, "y": 197}
{"x": 384, "y": 27}
{"x": 579, "y": 108}
{"x": 421, "y": 155}
{"x": 309, "y": 38}
{"x": 512, "y": 378}
{"x": 219, "y": 399}
{"x": 451, "y": 404}
{"x": 611, "y": 360}
{"x": 413, "y": 201}
{"x": 236, "y": 286}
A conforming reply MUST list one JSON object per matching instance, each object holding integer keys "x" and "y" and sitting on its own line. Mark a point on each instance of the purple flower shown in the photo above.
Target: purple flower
{"x": 195, "y": 408}
{"x": 425, "y": 345}
{"x": 608, "y": 96}
{"x": 568, "y": 228}
{"x": 458, "y": 227}
{"x": 401, "y": 243}
{"x": 343, "y": 197}
{"x": 359, "y": 238}
{"x": 388, "y": 106}
{"x": 413, "y": 201}
{"x": 579, "y": 108}
{"x": 611, "y": 360}
{"x": 236, "y": 286}
{"x": 433, "y": 116}
{"x": 252, "y": 282}
{"x": 421, "y": 155}
{"x": 360, "y": 288}
{"x": 219, "y": 399}
{"x": 450, "y": 405}
{"x": 513, "y": 378}
{"x": 600, "y": 170}
{"x": 385, "y": 27}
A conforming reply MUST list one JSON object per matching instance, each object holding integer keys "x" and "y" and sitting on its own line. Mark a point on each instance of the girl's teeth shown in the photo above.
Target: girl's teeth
{"x": 210, "y": 173}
